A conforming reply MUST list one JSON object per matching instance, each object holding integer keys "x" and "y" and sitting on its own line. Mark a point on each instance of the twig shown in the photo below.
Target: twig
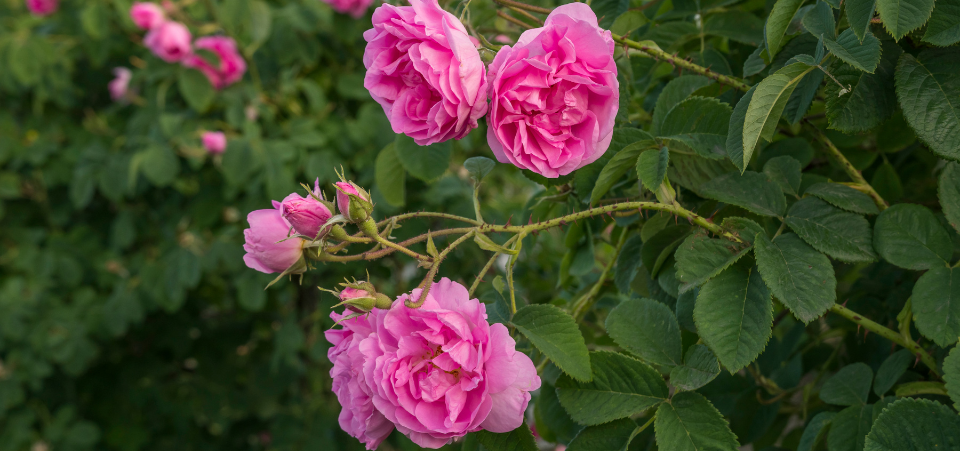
{"x": 888, "y": 334}
{"x": 848, "y": 167}
{"x": 514, "y": 20}
{"x": 520, "y": 5}
{"x": 587, "y": 300}
{"x": 682, "y": 63}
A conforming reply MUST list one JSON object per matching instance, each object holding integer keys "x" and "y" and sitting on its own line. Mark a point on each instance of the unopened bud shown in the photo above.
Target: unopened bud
{"x": 307, "y": 215}
{"x": 353, "y": 202}
{"x": 361, "y": 297}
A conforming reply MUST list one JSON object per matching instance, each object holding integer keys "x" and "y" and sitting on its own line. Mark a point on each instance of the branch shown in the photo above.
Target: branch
{"x": 889, "y": 335}
{"x": 655, "y": 52}
{"x": 848, "y": 167}
{"x": 486, "y": 268}
{"x": 428, "y": 280}
{"x": 587, "y": 300}
{"x": 519, "y": 5}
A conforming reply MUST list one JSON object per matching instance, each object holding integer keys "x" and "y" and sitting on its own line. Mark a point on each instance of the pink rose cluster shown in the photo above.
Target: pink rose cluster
{"x": 553, "y": 95}
{"x": 435, "y": 373}
{"x": 42, "y": 7}
{"x": 220, "y": 61}
{"x": 355, "y": 8}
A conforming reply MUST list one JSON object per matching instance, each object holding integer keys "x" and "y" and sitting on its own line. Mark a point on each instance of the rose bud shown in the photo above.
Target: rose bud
{"x": 170, "y": 41}
{"x": 120, "y": 83}
{"x": 307, "y": 214}
{"x": 268, "y": 246}
{"x": 353, "y": 202}
{"x": 214, "y": 142}
{"x": 147, "y": 15}
{"x": 361, "y": 297}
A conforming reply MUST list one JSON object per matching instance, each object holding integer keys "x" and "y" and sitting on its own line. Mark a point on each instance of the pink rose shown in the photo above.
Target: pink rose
{"x": 42, "y": 7}
{"x": 214, "y": 142}
{"x": 441, "y": 371}
{"x": 231, "y": 66}
{"x": 121, "y": 81}
{"x": 554, "y": 94}
{"x": 424, "y": 72}
{"x": 359, "y": 417}
{"x": 305, "y": 213}
{"x": 266, "y": 242}
{"x": 147, "y": 15}
{"x": 354, "y": 8}
{"x": 170, "y": 41}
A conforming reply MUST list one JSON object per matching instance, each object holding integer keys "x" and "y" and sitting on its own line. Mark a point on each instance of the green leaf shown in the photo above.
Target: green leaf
{"x": 819, "y": 21}
{"x": 928, "y": 87}
{"x": 751, "y": 190}
{"x": 556, "y": 335}
{"x": 195, "y": 89}
{"x": 734, "y": 145}
{"x": 734, "y": 315}
{"x": 613, "y": 436}
{"x": 699, "y": 367}
{"x": 519, "y": 439}
{"x": 915, "y": 425}
{"x": 701, "y": 258}
{"x": 785, "y": 172}
{"x": 887, "y": 182}
{"x": 621, "y": 387}
{"x": 627, "y": 263}
{"x": 629, "y": 21}
{"x": 844, "y": 197}
{"x": 943, "y": 29}
{"x": 936, "y": 305}
{"x": 689, "y": 422}
{"x": 911, "y": 237}
{"x": 803, "y": 96}
{"x": 260, "y": 21}
{"x": 652, "y": 167}
{"x": 848, "y": 430}
{"x": 548, "y": 182}
{"x": 95, "y": 20}
{"x": 862, "y": 53}
{"x": 743, "y": 228}
{"x": 756, "y": 62}
{"x": 839, "y": 234}
{"x": 646, "y": 329}
{"x": 160, "y": 165}
{"x": 739, "y": 26}
{"x": 903, "y": 16}
{"x": 608, "y": 10}
{"x": 250, "y": 294}
{"x": 553, "y": 423}
{"x": 391, "y": 177}
{"x": 622, "y": 162}
{"x": 777, "y": 23}
{"x": 660, "y": 247}
{"x": 699, "y": 123}
{"x": 848, "y": 387}
{"x": 800, "y": 277}
{"x": 693, "y": 171}
{"x": 870, "y": 100}
{"x": 890, "y": 371}
{"x": 815, "y": 431}
{"x": 768, "y": 103}
{"x": 949, "y": 193}
{"x": 951, "y": 375}
{"x": 673, "y": 93}
{"x": 479, "y": 167}
{"x": 859, "y": 13}
{"x": 426, "y": 163}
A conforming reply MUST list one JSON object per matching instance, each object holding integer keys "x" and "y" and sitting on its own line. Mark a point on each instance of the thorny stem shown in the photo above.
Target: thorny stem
{"x": 891, "y": 335}
{"x": 486, "y": 268}
{"x": 514, "y": 20}
{"x": 369, "y": 227}
{"x": 526, "y": 14}
{"x": 587, "y": 300}
{"x": 519, "y": 5}
{"x": 428, "y": 280}
{"x": 655, "y": 52}
{"x": 848, "y": 167}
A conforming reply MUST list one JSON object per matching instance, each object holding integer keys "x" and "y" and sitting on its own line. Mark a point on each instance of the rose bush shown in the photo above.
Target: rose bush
{"x": 760, "y": 258}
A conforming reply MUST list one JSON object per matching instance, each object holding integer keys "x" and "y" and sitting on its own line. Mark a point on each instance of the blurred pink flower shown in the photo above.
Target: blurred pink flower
{"x": 266, "y": 243}
{"x": 424, "y": 71}
{"x": 437, "y": 372}
{"x": 147, "y": 15}
{"x": 121, "y": 81}
{"x": 305, "y": 213}
{"x": 214, "y": 142}
{"x": 555, "y": 95}
{"x": 503, "y": 39}
{"x": 355, "y": 8}
{"x": 170, "y": 41}
{"x": 231, "y": 65}
{"x": 42, "y": 7}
